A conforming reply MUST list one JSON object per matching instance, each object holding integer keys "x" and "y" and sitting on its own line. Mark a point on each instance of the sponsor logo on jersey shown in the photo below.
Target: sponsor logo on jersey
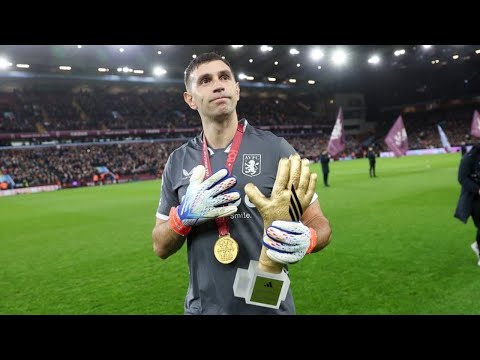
{"x": 241, "y": 215}
{"x": 187, "y": 174}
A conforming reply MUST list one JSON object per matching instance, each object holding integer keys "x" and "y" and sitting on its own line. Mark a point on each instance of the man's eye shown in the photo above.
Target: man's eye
{"x": 204, "y": 81}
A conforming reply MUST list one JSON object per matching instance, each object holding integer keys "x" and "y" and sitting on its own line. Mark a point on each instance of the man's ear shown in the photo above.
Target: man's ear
{"x": 237, "y": 88}
{"x": 189, "y": 100}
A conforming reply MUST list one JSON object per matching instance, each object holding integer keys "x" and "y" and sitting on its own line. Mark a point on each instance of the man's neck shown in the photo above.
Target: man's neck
{"x": 220, "y": 134}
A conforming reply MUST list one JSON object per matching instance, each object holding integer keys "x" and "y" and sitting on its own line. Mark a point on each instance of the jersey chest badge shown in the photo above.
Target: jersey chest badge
{"x": 252, "y": 164}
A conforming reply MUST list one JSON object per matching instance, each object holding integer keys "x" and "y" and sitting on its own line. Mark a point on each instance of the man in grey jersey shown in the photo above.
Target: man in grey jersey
{"x": 203, "y": 198}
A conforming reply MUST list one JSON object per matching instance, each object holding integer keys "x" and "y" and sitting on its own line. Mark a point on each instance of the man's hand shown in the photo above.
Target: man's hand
{"x": 287, "y": 242}
{"x": 204, "y": 200}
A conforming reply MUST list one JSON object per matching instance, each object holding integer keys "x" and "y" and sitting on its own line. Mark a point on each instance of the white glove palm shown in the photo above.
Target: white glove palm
{"x": 287, "y": 242}
{"x": 205, "y": 200}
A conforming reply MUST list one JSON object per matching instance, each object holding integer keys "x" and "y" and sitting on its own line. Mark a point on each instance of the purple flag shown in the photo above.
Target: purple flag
{"x": 396, "y": 139}
{"x": 336, "y": 144}
{"x": 475, "y": 130}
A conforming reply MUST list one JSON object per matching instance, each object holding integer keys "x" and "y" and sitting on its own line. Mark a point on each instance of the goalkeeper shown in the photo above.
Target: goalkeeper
{"x": 205, "y": 203}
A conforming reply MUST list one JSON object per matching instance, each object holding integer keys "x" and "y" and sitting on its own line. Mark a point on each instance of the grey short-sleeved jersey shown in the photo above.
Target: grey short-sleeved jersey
{"x": 210, "y": 290}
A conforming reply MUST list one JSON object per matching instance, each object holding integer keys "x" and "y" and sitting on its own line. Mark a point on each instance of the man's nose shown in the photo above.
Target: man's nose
{"x": 218, "y": 85}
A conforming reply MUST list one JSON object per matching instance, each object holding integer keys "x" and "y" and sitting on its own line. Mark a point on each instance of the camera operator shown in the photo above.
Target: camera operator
{"x": 469, "y": 200}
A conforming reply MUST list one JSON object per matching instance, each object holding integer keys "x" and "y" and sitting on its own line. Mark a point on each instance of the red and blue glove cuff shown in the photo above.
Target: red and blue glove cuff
{"x": 176, "y": 224}
{"x": 313, "y": 240}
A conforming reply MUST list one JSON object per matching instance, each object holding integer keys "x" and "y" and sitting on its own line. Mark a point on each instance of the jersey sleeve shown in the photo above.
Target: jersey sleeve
{"x": 285, "y": 149}
{"x": 168, "y": 197}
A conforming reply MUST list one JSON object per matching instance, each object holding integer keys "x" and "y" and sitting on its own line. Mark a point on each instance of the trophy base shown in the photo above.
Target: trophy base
{"x": 261, "y": 288}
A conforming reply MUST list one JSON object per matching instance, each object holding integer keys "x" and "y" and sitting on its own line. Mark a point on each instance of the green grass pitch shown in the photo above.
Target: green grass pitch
{"x": 396, "y": 247}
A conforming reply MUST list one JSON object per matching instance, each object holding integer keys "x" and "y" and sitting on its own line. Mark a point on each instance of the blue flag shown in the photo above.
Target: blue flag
{"x": 102, "y": 170}
{"x": 7, "y": 179}
{"x": 336, "y": 144}
{"x": 444, "y": 139}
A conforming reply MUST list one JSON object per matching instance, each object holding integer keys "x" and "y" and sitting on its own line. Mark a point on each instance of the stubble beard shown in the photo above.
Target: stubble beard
{"x": 223, "y": 113}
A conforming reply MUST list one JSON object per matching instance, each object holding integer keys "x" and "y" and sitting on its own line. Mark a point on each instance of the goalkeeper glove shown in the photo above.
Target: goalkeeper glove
{"x": 204, "y": 200}
{"x": 287, "y": 242}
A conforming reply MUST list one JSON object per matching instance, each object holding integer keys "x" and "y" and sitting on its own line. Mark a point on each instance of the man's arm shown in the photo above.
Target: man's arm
{"x": 204, "y": 200}
{"x": 313, "y": 217}
{"x": 166, "y": 242}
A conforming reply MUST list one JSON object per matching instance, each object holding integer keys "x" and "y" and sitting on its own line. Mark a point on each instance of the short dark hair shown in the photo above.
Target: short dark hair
{"x": 199, "y": 60}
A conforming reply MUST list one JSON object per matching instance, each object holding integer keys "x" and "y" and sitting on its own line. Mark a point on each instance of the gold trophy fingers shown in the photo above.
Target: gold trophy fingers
{"x": 304, "y": 176}
{"x": 311, "y": 189}
{"x": 274, "y": 208}
{"x": 298, "y": 184}
{"x": 283, "y": 175}
{"x": 295, "y": 171}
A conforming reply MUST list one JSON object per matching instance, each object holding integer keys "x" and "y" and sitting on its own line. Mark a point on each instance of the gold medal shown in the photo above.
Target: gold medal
{"x": 226, "y": 249}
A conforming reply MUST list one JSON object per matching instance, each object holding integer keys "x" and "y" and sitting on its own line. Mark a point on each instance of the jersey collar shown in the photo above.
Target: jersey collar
{"x": 198, "y": 139}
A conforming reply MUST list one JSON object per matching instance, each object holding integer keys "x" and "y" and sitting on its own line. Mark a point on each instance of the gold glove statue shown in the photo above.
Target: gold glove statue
{"x": 292, "y": 192}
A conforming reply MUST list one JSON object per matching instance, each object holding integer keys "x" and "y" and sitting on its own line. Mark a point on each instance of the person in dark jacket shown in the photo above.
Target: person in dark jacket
{"x": 325, "y": 160}
{"x": 372, "y": 158}
{"x": 469, "y": 200}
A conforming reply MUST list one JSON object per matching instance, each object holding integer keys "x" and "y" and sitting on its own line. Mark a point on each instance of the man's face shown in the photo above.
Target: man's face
{"x": 213, "y": 90}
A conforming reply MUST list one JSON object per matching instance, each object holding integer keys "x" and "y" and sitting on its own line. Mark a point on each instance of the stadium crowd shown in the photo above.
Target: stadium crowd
{"x": 34, "y": 110}
{"x": 67, "y": 161}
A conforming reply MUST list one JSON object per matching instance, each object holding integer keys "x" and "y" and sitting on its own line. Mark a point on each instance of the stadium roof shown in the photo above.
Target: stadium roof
{"x": 248, "y": 59}
{"x": 415, "y": 74}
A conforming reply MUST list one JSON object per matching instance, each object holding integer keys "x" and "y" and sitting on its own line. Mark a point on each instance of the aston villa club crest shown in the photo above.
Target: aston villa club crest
{"x": 252, "y": 164}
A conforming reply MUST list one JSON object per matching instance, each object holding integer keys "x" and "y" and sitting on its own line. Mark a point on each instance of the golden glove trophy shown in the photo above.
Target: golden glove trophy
{"x": 265, "y": 283}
